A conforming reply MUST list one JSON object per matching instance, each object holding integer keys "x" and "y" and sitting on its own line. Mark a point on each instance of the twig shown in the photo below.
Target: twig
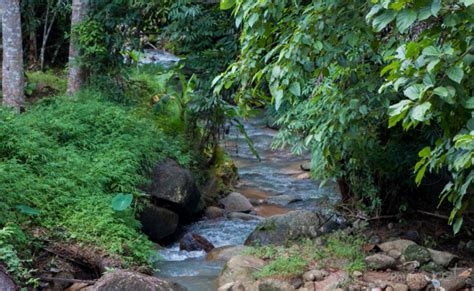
{"x": 383, "y": 217}
{"x": 67, "y": 280}
{"x": 433, "y": 214}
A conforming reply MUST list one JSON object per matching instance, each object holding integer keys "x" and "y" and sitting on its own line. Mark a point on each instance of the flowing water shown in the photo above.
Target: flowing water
{"x": 276, "y": 182}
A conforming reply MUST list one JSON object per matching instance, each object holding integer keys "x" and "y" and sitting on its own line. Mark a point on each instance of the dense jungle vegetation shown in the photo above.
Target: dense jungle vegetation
{"x": 379, "y": 92}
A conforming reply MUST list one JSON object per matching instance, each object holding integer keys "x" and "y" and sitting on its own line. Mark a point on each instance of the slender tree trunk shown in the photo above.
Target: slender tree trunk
{"x": 32, "y": 44}
{"x": 76, "y": 71}
{"x": 12, "y": 71}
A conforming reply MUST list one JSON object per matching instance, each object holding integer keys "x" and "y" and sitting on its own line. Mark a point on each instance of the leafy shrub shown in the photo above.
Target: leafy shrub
{"x": 67, "y": 158}
{"x": 336, "y": 72}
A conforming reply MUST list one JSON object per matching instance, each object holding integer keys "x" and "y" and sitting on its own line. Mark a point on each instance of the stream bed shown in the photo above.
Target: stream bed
{"x": 276, "y": 181}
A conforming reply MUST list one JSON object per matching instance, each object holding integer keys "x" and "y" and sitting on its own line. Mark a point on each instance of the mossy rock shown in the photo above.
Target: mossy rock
{"x": 417, "y": 253}
{"x": 432, "y": 267}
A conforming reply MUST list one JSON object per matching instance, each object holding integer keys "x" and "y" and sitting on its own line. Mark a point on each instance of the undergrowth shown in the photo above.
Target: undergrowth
{"x": 64, "y": 160}
{"x": 337, "y": 250}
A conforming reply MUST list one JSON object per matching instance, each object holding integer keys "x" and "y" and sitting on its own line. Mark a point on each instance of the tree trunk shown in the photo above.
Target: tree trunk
{"x": 13, "y": 82}
{"x": 76, "y": 71}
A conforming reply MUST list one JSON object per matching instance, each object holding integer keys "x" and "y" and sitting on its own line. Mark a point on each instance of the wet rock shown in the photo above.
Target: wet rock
{"x": 175, "y": 185}
{"x": 213, "y": 212}
{"x": 410, "y": 266}
{"x": 224, "y": 253}
{"x": 456, "y": 282}
{"x": 243, "y": 216}
{"x": 442, "y": 258}
{"x": 236, "y": 202}
{"x": 226, "y": 287}
{"x": 283, "y": 199}
{"x": 470, "y": 247}
{"x": 79, "y": 287}
{"x": 315, "y": 275}
{"x": 6, "y": 281}
{"x": 297, "y": 282}
{"x": 399, "y": 245}
{"x": 380, "y": 262}
{"x": 279, "y": 229}
{"x": 400, "y": 287}
{"x": 306, "y": 166}
{"x": 123, "y": 280}
{"x": 273, "y": 285}
{"x": 394, "y": 254}
{"x": 240, "y": 268}
{"x": 416, "y": 281}
{"x": 417, "y": 253}
{"x": 195, "y": 242}
{"x": 331, "y": 282}
{"x": 158, "y": 223}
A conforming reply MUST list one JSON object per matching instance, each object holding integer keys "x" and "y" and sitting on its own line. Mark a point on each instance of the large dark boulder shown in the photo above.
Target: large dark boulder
{"x": 120, "y": 280}
{"x": 195, "y": 242}
{"x": 6, "y": 282}
{"x": 293, "y": 225}
{"x": 158, "y": 223}
{"x": 174, "y": 187}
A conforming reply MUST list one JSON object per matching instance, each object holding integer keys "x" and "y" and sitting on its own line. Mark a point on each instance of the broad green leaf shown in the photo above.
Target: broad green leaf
{"x": 467, "y": 3}
{"x": 398, "y": 111}
{"x": 27, "y": 210}
{"x": 295, "y": 89}
{"x": 420, "y": 174}
{"x": 457, "y": 225}
{"x": 405, "y": 19}
{"x": 418, "y": 112}
{"x": 227, "y": 4}
{"x": 446, "y": 93}
{"x": 425, "y": 152}
{"x": 424, "y": 13}
{"x": 432, "y": 51}
{"x": 469, "y": 103}
{"x": 435, "y": 7}
{"x": 415, "y": 92}
{"x": 278, "y": 95}
{"x": 381, "y": 21}
{"x": 456, "y": 74}
{"x": 253, "y": 18}
{"x": 121, "y": 201}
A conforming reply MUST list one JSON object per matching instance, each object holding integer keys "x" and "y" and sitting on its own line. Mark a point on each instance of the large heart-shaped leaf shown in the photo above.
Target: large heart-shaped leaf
{"x": 122, "y": 201}
{"x": 27, "y": 210}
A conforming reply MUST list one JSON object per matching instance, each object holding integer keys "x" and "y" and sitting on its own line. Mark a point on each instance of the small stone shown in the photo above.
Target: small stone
{"x": 315, "y": 275}
{"x": 394, "y": 254}
{"x": 400, "y": 245}
{"x": 416, "y": 281}
{"x": 226, "y": 287}
{"x": 357, "y": 274}
{"x": 390, "y": 226}
{"x": 213, "y": 212}
{"x": 374, "y": 239}
{"x": 380, "y": 262}
{"x": 297, "y": 282}
{"x": 389, "y": 288}
{"x": 400, "y": 287}
{"x": 442, "y": 258}
{"x": 417, "y": 253}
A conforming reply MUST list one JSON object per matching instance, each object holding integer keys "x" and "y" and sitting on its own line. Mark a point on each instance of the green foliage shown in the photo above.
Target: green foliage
{"x": 339, "y": 72}
{"x": 204, "y": 35}
{"x": 48, "y": 79}
{"x": 12, "y": 242}
{"x": 283, "y": 266}
{"x": 429, "y": 70}
{"x": 67, "y": 158}
{"x": 336, "y": 250}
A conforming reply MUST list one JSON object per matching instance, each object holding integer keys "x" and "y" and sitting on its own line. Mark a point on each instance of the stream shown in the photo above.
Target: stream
{"x": 276, "y": 182}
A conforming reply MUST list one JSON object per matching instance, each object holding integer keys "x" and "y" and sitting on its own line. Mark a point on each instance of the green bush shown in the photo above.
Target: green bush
{"x": 65, "y": 160}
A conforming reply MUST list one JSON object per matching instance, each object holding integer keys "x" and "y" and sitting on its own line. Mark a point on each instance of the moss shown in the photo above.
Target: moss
{"x": 417, "y": 253}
